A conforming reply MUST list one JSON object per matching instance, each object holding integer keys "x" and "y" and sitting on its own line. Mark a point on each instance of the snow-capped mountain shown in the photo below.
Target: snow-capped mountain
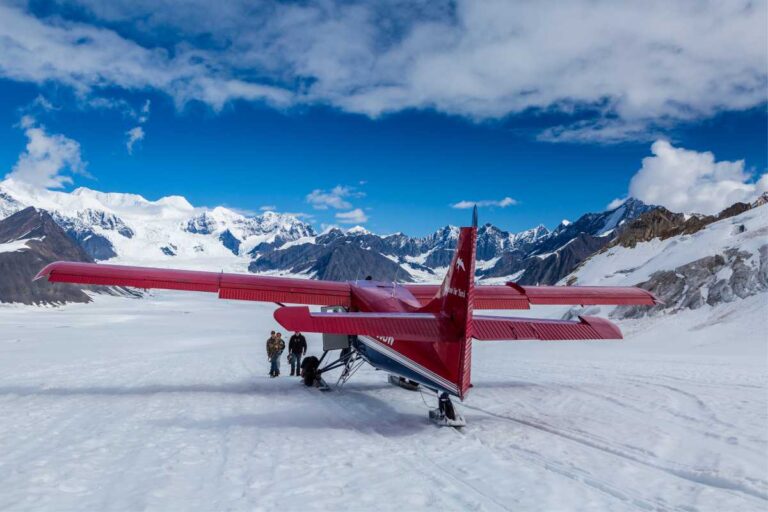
{"x": 127, "y": 228}
{"x": 687, "y": 264}
{"x": 241, "y": 233}
{"x": 171, "y": 232}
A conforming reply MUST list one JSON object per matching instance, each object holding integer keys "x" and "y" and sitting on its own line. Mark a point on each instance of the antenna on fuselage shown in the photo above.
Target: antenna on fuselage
{"x": 394, "y": 281}
{"x": 474, "y": 217}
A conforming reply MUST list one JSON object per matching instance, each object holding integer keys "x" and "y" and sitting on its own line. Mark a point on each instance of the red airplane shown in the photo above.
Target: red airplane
{"x": 417, "y": 332}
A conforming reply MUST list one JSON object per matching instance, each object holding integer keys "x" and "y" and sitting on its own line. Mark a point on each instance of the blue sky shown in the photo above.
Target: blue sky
{"x": 228, "y": 114}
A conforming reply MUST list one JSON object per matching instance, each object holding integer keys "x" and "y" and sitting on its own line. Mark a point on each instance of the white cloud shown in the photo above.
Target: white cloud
{"x": 88, "y": 58}
{"x": 640, "y": 65}
{"x": 356, "y": 216}
{"x": 268, "y": 208}
{"x": 47, "y": 158}
{"x": 336, "y": 198}
{"x": 684, "y": 180}
{"x": 501, "y": 203}
{"x": 133, "y": 135}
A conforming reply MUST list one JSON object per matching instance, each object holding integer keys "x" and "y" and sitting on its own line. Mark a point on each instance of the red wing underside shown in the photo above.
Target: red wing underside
{"x": 228, "y": 286}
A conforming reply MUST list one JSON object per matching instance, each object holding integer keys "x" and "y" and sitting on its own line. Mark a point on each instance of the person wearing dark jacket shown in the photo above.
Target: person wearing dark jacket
{"x": 297, "y": 348}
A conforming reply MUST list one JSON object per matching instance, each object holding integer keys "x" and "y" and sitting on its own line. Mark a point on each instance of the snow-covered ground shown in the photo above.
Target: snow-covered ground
{"x": 163, "y": 403}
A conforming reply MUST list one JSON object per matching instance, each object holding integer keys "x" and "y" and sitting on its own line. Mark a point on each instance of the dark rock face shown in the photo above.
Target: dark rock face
{"x": 229, "y": 241}
{"x": 333, "y": 259}
{"x": 46, "y": 243}
{"x": 98, "y": 247}
{"x": 347, "y": 262}
{"x": 554, "y": 267}
{"x": 81, "y": 228}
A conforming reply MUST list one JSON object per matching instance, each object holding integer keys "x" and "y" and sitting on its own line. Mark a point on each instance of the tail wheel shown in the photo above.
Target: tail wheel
{"x": 446, "y": 407}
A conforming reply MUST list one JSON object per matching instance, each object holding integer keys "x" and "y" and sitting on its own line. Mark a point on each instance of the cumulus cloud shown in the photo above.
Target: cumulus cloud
{"x": 89, "y": 57}
{"x": 336, "y": 198}
{"x": 133, "y": 135}
{"x": 47, "y": 158}
{"x": 684, "y": 180}
{"x": 356, "y": 216}
{"x": 501, "y": 203}
{"x": 268, "y": 208}
{"x": 638, "y": 65}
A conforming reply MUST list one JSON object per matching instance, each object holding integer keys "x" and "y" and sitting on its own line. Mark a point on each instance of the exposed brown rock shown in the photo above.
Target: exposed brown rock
{"x": 46, "y": 243}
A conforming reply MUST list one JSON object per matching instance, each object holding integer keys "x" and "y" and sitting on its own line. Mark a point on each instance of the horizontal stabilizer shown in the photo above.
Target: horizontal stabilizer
{"x": 488, "y": 328}
{"x": 426, "y": 327}
{"x": 407, "y": 326}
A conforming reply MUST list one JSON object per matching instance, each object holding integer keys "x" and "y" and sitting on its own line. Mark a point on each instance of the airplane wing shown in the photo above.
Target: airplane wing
{"x": 515, "y": 296}
{"x": 228, "y": 286}
{"x": 427, "y": 327}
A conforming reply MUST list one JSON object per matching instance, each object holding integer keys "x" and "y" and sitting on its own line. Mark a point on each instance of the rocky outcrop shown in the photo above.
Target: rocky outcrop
{"x": 661, "y": 223}
{"x": 333, "y": 259}
{"x": 29, "y": 240}
{"x": 710, "y": 280}
{"x": 230, "y": 241}
{"x": 347, "y": 262}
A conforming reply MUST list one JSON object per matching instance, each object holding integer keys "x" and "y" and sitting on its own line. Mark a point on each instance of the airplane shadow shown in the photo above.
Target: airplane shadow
{"x": 364, "y": 413}
{"x": 248, "y": 387}
{"x": 352, "y": 409}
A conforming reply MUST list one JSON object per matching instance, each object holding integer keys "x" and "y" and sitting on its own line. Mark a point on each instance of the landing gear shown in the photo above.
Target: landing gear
{"x": 445, "y": 415}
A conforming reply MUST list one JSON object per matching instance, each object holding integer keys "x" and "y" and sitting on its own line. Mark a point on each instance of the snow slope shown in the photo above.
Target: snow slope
{"x": 163, "y": 403}
{"x": 620, "y": 266}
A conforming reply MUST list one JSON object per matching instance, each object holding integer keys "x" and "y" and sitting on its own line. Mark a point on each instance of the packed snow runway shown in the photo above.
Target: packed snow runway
{"x": 164, "y": 403}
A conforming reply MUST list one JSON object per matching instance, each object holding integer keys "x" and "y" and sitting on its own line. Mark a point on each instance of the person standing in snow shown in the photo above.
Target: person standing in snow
{"x": 297, "y": 348}
{"x": 272, "y": 348}
{"x": 275, "y": 348}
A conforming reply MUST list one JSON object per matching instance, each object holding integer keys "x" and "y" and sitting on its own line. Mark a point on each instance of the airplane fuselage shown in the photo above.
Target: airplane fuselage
{"x": 421, "y": 360}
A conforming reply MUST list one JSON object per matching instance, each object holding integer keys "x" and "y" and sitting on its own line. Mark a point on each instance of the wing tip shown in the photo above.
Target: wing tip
{"x": 606, "y": 329}
{"x": 46, "y": 271}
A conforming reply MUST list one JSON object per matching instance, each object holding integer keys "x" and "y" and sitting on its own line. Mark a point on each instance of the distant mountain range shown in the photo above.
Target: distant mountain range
{"x": 125, "y": 228}
{"x": 170, "y": 232}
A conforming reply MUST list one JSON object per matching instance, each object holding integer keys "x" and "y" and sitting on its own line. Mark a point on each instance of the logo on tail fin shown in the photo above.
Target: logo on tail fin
{"x": 460, "y": 264}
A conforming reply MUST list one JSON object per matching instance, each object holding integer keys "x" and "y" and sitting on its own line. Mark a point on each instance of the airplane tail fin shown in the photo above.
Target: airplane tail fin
{"x": 454, "y": 299}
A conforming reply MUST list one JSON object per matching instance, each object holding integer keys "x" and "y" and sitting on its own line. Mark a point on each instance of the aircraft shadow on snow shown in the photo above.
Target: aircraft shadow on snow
{"x": 356, "y": 408}
{"x": 356, "y": 411}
